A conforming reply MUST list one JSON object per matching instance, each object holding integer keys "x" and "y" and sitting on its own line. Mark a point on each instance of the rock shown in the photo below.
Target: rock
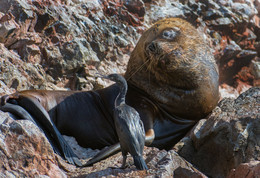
{"x": 251, "y": 169}
{"x": 25, "y": 151}
{"x": 156, "y": 12}
{"x": 60, "y": 38}
{"x": 255, "y": 67}
{"x": 211, "y": 14}
{"x": 160, "y": 163}
{"x": 7, "y": 26}
{"x": 257, "y": 6}
{"x": 222, "y": 23}
{"x": 135, "y": 7}
{"x": 244, "y": 9}
{"x": 229, "y": 137}
{"x": 131, "y": 12}
{"x": 231, "y": 51}
{"x": 227, "y": 91}
{"x": 4, "y": 90}
{"x": 237, "y": 68}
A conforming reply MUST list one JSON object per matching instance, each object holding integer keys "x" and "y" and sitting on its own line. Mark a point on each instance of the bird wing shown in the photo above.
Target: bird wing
{"x": 130, "y": 130}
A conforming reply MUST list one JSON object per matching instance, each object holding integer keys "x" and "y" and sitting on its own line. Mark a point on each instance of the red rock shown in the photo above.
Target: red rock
{"x": 246, "y": 170}
{"x": 135, "y": 7}
{"x": 7, "y": 26}
{"x": 25, "y": 150}
{"x": 245, "y": 75}
{"x": 130, "y": 11}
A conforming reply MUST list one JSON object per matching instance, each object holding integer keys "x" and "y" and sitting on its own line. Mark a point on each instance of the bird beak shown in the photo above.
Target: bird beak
{"x": 102, "y": 76}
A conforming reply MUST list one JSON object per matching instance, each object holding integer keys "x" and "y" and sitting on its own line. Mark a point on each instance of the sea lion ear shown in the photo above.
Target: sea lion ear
{"x": 171, "y": 33}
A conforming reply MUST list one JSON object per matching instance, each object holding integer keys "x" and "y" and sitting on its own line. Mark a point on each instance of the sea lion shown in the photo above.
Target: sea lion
{"x": 172, "y": 79}
{"x": 129, "y": 126}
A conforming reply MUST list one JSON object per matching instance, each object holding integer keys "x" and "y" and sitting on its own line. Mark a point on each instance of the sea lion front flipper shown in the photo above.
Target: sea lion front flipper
{"x": 43, "y": 120}
{"x": 149, "y": 137}
{"x": 111, "y": 150}
{"x": 103, "y": 154}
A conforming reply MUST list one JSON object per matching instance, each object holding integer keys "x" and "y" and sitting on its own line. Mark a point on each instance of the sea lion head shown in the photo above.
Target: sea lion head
{"x": 173, "y": 64}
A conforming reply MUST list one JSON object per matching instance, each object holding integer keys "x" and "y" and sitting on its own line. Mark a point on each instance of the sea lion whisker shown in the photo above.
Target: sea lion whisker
{"x": 148, "y": 67}
{"x": 137, "y": 70}
{"x": 161, "y": 57}
{"x": 153, "y": 63}
{"x": 140, "y": 67}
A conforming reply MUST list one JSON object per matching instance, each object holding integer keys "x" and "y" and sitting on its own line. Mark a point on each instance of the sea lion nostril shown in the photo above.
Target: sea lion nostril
{"x": 152, "y": 47}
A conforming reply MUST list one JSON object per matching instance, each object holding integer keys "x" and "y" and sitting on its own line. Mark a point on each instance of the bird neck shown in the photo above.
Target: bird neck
{"x": 120, "y": 99}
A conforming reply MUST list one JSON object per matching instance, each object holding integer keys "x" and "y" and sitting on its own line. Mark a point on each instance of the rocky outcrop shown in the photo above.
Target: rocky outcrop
{"x": 58, "y": 44}
{"x": 251, "y": 169}
{"x": 25, "y": 151}
{"x": 228, "y": 138}
{"x": 160, "y": 163}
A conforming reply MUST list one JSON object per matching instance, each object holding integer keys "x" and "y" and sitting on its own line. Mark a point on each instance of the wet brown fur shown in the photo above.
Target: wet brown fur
{"x": 191, "y": 73}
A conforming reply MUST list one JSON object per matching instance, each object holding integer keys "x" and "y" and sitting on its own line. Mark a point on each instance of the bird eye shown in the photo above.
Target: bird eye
{"x": 170, "y": 34}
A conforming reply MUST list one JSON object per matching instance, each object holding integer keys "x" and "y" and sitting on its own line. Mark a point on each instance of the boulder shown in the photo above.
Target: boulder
{"x": 251, "y": 169}
{"x": 24, "y": 150}
{"x": 229, "y": 137}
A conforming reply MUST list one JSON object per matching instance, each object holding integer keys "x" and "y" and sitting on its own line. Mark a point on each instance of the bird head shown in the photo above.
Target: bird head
{"x": 119, "y": 79}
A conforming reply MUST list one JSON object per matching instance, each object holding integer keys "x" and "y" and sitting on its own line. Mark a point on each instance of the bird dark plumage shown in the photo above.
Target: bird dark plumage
{"x": 129, "y": 126}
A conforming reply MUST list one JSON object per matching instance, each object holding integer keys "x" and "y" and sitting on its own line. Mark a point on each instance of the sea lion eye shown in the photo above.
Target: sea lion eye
{"x": 170, "y": 34}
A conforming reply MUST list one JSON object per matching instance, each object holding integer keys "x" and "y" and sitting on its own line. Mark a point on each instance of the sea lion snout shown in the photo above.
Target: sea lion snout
{"x": 154, "y": 51}
{"x": 163, "y": 62}
{"x": 152, "y": 47}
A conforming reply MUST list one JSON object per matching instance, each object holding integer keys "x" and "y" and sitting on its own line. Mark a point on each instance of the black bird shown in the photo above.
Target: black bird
{"x": 129, "y": 126}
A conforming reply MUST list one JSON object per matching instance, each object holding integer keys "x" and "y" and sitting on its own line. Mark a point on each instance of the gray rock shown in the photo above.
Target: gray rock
{"x": 245, "y": 10}
{"x": 223, "y": 22}
{"x": 251, "y": 169}
{"x": 255, "y": 67}
{"x": 231, "y": 51}
{"x": 7, "y": 26}
{"x": 160, "y": 163}
{"x": 229, "y": 137}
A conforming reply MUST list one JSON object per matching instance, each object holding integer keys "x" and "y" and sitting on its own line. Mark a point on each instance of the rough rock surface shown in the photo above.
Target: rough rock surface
{"x": 25, "y": 151}
{"x": 160, "y": 163}
{"x": 229, "y": 137}
{"x": 61, "y": 44}
{"x": 251, "y": 169}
